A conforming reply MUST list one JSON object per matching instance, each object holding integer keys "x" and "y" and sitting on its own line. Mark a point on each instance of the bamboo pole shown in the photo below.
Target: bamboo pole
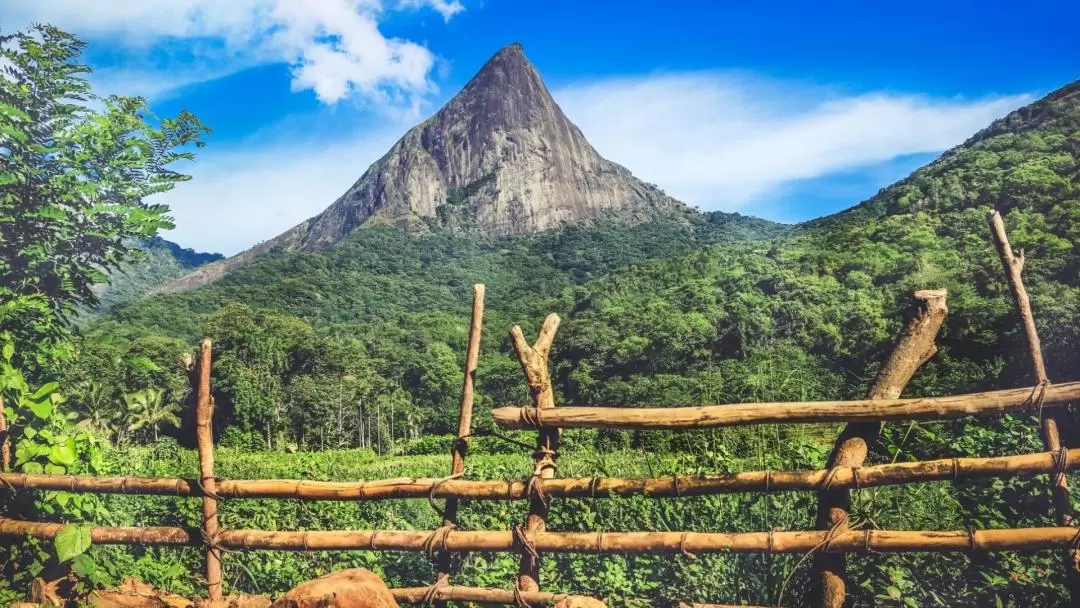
{"x": 453, "y": 593}
{"x": 204, "y": 414}
{"x": 742, "y": 414}
{"x": 916, "y": 347}
{"x": 457, "y": 465}
{"x": 1051, "y": 436}
{"x": 846, "y": 478}
{"x": 534, "y": 362}
{"x": 797, "y": 542}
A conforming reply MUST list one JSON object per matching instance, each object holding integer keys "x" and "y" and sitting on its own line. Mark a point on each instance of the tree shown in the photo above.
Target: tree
{"x": 97, "y": 408}
{"x": 75, "y": 172}
{"x": 147, "y": 409}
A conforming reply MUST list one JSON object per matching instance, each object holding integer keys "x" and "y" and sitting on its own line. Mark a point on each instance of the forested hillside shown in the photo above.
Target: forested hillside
{"x": 158, "y": 261}
{"x": 665, "y": 313}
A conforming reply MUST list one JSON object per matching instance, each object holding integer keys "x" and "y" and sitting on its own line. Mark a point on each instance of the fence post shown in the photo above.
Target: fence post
{"x": 916, "y": 347}
{"x": 204, "y": 435}
{"x": 1051, "y": 436}
{"x": 534, "y": 362}
{"x": 5, "y": 451}
{"x": 457, "y": 466}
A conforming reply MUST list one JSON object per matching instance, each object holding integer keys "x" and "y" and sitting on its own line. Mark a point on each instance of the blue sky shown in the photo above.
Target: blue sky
{"x": 787, "y": 110}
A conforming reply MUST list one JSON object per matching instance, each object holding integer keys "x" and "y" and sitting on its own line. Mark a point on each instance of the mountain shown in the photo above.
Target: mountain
{"x": 159, "y": 261}
{"x": 500, "y": 158}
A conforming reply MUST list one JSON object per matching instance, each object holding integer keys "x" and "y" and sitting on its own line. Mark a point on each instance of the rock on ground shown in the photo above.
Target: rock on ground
{"x": 355, "y": 588}
{"x": 133, "y": 593}
{"x": 580, "y": 602}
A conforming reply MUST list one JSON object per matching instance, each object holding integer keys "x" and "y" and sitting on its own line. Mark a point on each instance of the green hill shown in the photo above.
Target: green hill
{"x": 159, "y": 261}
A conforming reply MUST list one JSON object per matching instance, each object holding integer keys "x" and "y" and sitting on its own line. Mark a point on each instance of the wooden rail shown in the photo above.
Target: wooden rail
{"x": 846, "y": 478}
{"x": 861, "y": 541}
{"x": 744, "y": 414}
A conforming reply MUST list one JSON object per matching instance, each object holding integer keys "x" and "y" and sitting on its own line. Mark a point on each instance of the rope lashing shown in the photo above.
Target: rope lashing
{"x": 545, "y": 459}
{"x": 431, "y": 594}
{"x": 594, "y": 486}
{"x": 436, "y": 541}
{"x": 1061, "y": 466}
{"x": 435, "y": 487}
{"x": 202, "y": 487}
{"x": 1074, "y": 549}
{"x": 683, "y": 549}
{"x": 530, "y": 417}
{"x": 830, "y": 477}
{"x": 1038, "y": 394}
{"x": 824, "y": 545}
{"x": 519, "y": 600}
{"x": 521, "y": 538}
{"x": 213, "y": 542}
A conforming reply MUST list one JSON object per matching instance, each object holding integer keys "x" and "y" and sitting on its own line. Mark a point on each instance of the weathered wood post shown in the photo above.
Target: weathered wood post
{"x": 1051, "y": 435}
{"x": 457, "y": 466}
{"x": 916, "y": 347}
{"x": 5, "y": 451}
{"x": 534, "y": 362}
{"x": 204, "y": 435}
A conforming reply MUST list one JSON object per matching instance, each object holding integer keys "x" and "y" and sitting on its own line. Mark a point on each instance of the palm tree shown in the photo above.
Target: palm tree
{"x": 97, "y": 409}
{"x": 147, "y": 409}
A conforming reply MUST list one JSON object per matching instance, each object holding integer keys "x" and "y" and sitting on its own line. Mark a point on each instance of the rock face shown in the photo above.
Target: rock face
{"x": 500, "y": 158}
{"x": 355, "y": 588}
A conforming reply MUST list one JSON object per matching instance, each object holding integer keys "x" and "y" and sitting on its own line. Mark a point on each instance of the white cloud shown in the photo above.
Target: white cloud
{"x": 444, "y": 8}
{"x": 727, "y": 141}
{"x": 245, "y": 195}
{"x": 334, "y": 46}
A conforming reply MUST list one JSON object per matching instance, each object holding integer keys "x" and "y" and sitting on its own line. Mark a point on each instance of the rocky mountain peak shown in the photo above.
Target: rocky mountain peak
{"x": 500, "y": 158}
{"x": 505, "y": 92}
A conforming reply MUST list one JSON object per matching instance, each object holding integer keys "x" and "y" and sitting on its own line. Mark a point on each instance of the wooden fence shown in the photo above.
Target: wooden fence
{"x": 827, "y": 543}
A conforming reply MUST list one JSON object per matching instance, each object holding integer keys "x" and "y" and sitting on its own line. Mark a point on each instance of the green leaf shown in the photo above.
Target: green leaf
{"x": 84, "y": 565}
{"x": 72, "y": 541}
{"x": 41, "y": 409}
{"x": 63, "y": 454}
{"x": 45, "y": 390}
{"x": 9, "y": 351}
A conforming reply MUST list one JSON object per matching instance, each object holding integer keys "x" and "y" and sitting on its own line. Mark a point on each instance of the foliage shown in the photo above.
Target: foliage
{"x": 73, "y": 179}
{"x": 148, "y": 410}
{"x": 45, "y": 441}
